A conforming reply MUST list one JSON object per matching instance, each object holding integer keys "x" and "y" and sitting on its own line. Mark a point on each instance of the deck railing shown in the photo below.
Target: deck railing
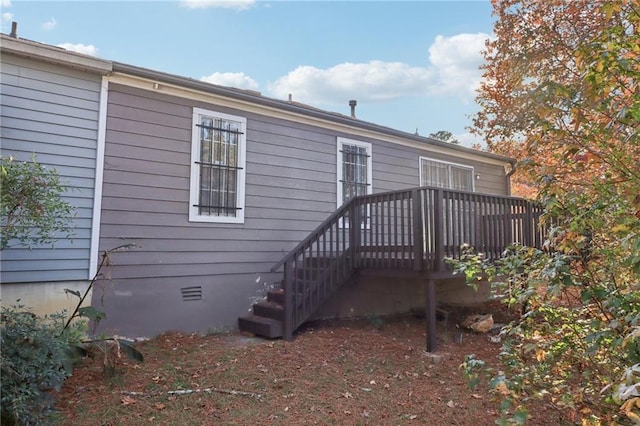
{"x": 414, "y": 229}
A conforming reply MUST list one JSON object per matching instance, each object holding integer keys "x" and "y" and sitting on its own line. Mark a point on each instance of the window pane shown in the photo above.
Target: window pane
{"x": 219, "y": 140}
{"x": 461, "y": 178}
{"x": 444, "y": 175}
{"x": 354, "y": 171}
{"x": 434, "y": 173}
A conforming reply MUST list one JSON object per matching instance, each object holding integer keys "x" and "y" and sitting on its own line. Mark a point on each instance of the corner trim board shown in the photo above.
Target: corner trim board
{"x": 97, "y": 186}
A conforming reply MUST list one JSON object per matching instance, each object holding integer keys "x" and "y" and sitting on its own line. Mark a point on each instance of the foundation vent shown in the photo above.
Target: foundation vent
{"x": 190, "y": 294}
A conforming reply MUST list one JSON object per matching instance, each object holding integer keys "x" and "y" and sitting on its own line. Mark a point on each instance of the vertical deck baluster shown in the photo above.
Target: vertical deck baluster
{"x": 480, "y": 218}
{"x": 520, "y": 221}
{"x": 468, "y": 218}
{"x": 498, "y": 220}
{"x": 395, "y": 231}
{"x": 402, "y": 228}
{"x": 495, "y": 240}
{"x": 490, "y": 222}
{"x": 304, "y": 270}
{"x": 376, "y": 233}
{"x": 503, "y": 220}
{"x": 457, "y": 223}
{"x": 528, "y": 238}
{"x": 389, "y": 239}
{"x": 332, "y": 254}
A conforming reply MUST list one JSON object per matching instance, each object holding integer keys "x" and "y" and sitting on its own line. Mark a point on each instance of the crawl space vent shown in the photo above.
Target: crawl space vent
{"x": 191, "y": 293}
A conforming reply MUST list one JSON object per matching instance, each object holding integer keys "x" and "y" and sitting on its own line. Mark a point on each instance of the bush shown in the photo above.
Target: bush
{"x": 577, "y": 344}
{"x": 35, "y": 361}
{"x": 32, "y": 211}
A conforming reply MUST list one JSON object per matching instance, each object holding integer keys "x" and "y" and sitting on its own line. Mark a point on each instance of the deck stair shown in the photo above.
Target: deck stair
{"x": 412, "y": 230}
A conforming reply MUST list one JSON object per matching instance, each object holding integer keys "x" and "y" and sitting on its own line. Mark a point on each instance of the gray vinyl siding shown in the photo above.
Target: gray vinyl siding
{"x": 290, "y": 189}
{"x": 52, "y": 111}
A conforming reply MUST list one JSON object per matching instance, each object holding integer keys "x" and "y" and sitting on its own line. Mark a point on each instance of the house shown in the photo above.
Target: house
{"x": 51, "y": 108}
{"x": 219, "y": 189}
{"x": 216, "y": 185}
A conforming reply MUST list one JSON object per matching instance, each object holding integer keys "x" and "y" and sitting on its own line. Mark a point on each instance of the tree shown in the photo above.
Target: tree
{"x": 445, "y": 136}
{"x": 33, "y": 211}
{"x": 562, "y": 95}
{"x": 560, "y": 85}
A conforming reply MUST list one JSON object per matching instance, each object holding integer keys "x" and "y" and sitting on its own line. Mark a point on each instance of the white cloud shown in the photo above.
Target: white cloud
{"x": 456, "y": 60}
{"x": 225, "y": 4}
{"x": 50, "y": 24}
{"x": 87, "y": 49}
{"x": 5, "y": 3}
{"x": 371, "y": 81}
{"x": 232, "y": 79}
{"x": 452, "y": 71}
{"x": 7, "y": 16}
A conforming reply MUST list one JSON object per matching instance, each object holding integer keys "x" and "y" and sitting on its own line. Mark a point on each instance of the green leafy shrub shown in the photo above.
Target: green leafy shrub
{"x": 35, "y": 361}
{"x": 576, "y": 345}
{"x": 32, "y": 210}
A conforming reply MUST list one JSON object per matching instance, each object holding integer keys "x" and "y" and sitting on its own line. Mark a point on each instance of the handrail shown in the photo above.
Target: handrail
{"x": 364, "y": 199}
{"x": 319, "y": 229}
{"x": 323, "y": 226}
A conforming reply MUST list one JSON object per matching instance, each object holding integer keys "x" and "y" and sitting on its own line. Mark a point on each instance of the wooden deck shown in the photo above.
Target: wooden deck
{"x": 411, "y": 231}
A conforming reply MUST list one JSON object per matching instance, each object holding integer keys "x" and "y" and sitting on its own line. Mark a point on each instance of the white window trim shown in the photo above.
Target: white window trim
{"x": 339, "y": 176}
{"x": 464, "y": 166}
{"x": 194, "y": 190}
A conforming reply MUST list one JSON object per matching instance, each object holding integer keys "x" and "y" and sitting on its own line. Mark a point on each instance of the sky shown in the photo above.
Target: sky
{"x": 411, "y": 66}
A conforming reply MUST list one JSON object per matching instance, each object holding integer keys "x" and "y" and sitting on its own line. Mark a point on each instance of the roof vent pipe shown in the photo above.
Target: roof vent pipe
{"x": 14, "y": 30}
{"x": 352, "y": 104}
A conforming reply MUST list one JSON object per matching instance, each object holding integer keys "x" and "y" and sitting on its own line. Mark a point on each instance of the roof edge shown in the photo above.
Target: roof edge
{"x": 295, "y": 107}
{"x": 53, "y": 54}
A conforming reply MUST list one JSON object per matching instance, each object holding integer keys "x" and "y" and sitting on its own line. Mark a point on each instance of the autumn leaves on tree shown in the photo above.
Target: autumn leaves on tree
{"x": 561, "y": 91}
{"x": 561, "y": 94}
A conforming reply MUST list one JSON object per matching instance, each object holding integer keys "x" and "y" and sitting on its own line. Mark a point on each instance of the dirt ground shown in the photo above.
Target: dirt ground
{"x": 358, "y": 372}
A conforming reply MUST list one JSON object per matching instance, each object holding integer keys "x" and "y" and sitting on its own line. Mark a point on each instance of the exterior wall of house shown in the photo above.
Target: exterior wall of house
{"x": 201, "y": 276}
{"x": 50, "y": 112}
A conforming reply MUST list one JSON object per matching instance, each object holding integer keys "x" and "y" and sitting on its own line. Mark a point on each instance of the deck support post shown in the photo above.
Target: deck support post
{"x": 430, "y": 311}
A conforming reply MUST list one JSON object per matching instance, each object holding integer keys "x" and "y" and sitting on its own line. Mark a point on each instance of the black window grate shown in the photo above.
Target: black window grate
{"x": 354, "y": 180}
{"x": 220, "y": 141}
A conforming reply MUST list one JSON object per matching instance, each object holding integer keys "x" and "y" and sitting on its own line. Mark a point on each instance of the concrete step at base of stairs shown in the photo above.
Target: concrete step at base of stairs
{"x": 261, "y": 326}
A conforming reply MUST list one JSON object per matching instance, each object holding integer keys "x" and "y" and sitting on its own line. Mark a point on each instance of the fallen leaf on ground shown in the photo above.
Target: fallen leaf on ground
{"x": 127, "y": 400}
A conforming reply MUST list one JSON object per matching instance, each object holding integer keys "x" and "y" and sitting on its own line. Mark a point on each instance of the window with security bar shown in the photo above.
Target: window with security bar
{"x": 354, "y": 169}
{"x": 218, "y": 167}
